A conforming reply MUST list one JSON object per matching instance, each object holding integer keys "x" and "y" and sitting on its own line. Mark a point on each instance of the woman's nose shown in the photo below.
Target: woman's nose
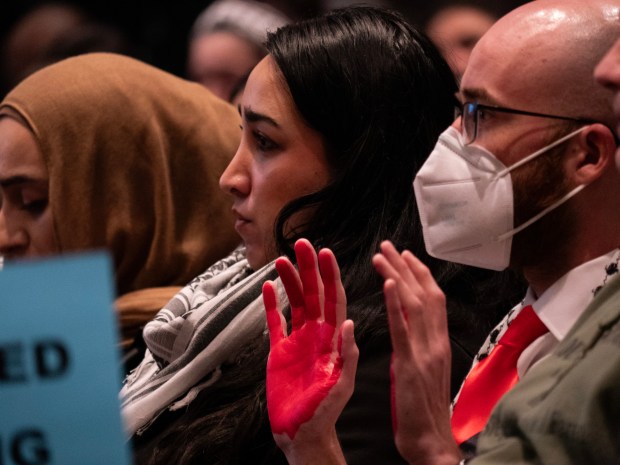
{"x": 235, "y": 179}
{"x": 13, "y": 241}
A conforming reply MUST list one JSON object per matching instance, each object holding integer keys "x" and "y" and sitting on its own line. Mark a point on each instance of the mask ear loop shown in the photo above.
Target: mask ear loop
{"x": 505, "y": 171}
{"x": 554, "y": 205}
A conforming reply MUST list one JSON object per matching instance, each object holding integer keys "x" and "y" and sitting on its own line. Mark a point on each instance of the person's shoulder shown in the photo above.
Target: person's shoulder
{"x": 603, "y": 311}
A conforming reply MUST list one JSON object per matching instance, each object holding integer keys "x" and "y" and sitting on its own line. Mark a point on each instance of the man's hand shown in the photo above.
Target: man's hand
{"x": 420, "y": 368}
{"x": 311, "y": 372}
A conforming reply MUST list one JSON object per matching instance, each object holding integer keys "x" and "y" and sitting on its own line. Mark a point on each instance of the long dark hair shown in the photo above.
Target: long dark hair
{"x": 380, "y": 94}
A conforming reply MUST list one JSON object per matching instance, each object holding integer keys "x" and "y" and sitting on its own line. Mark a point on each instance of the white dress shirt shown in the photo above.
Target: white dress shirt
{"x": 560, "y": 306}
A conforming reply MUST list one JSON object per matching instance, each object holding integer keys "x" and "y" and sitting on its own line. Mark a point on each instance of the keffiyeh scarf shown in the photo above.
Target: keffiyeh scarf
{"x": 203, "y": 326}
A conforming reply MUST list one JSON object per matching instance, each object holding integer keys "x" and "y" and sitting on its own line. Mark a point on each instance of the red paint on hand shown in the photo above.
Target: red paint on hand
{"x": 304, "y": 366}
{"x": 300, "y": 374}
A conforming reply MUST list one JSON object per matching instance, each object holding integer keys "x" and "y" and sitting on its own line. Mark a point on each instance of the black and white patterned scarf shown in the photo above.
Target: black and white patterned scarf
{"x": 204, "y": 325}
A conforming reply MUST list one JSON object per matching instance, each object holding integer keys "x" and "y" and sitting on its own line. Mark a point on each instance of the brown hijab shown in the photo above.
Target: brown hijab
{"x": 134, "y": 156}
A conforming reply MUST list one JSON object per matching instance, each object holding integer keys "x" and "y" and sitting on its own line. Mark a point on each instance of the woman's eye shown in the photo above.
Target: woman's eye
{"x": 263, "y": 142}
{"x": 35, "y": 206}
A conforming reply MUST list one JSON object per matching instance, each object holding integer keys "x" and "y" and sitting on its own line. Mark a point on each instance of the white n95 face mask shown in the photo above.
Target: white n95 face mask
{"x": 465, "y": 199}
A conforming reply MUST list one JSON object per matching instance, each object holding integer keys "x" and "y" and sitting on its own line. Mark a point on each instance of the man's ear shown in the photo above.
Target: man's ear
{"x": 592, "y": 154}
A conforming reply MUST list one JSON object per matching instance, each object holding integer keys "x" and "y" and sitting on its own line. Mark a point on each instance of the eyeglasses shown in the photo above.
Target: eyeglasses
{"x": 472, "y": 113}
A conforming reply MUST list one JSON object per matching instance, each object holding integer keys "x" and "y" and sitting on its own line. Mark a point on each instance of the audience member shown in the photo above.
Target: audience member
{"x": 455, "y": 29}
{"x": 50, "y": 32}
{"x": 524, "y": 178}
{"x": 103, "y": 151}
{"x": 331, "y": 142}
{"x": 566, "y": 409}
{"x": 226, "y": 42}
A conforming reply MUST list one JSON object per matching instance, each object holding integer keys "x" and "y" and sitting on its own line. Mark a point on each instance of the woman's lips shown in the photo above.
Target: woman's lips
{"x": 241, "y": 222}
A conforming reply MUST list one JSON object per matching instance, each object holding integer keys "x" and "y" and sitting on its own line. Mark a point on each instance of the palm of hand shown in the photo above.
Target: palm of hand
{"x": 306, "y": 369}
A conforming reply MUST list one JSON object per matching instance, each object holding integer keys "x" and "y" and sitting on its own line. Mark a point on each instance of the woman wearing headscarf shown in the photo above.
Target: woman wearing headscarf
{"x": 126, "y": 158}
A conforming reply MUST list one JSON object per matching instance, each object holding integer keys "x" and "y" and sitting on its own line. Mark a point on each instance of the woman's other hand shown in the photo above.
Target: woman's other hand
{"x": 420, "y": 368}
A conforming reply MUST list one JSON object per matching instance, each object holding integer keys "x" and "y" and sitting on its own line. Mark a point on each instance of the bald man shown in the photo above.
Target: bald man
{"x": 567, "y": 409}
{"x": 543, "y": 197}
{"x": 524, "y": 178}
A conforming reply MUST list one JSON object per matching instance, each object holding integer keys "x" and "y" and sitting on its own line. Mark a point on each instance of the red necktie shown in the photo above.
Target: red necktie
{"x": 493, "y": 376}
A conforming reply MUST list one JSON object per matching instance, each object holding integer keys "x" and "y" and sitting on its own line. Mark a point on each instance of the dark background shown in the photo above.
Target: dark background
{"x": 158, "y": 29}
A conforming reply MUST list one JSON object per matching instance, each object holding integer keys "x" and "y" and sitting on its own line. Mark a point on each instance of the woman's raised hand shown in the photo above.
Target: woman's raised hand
{"x": 420, "y": 368}
{"x": 311, "y": 372}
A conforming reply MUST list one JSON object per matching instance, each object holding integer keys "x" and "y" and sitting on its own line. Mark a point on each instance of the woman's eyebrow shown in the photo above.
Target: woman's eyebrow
{"x": 253, "y": 117}
{"x": 20, "y": 179}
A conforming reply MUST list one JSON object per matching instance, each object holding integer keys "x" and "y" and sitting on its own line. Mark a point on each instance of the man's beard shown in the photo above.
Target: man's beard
{"x": 537, "y": 185}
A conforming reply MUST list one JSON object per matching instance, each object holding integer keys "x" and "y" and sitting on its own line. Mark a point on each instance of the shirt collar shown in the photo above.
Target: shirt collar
{"x": 562, "y": 304}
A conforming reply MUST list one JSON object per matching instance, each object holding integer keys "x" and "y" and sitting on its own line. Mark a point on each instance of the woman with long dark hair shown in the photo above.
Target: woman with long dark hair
{"x": 337, "y": 119}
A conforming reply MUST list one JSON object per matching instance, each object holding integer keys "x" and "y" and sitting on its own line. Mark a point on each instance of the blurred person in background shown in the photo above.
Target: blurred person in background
{"x": 51, "y": 31}
{"x": 455, "y": 29}
{"x": 226, "y": 42}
